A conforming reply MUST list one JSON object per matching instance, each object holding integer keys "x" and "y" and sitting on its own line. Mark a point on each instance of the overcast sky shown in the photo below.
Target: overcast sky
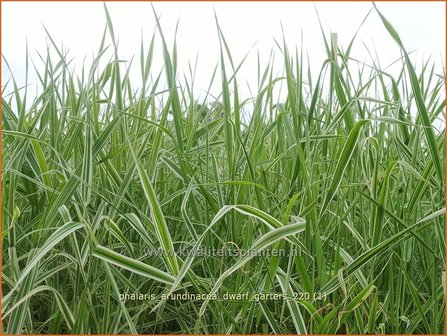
{"x": 248, "y": 27}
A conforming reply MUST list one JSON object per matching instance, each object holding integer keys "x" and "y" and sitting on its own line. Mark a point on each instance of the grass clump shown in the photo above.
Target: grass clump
{"x": 347, "y": 173}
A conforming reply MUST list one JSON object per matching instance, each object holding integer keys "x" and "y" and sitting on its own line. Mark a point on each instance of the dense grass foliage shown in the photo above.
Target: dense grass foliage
{"x": 348, "y": 172}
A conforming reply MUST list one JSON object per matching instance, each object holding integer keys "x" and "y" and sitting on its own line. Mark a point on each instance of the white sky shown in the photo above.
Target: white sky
{"x": 79, "y": 25}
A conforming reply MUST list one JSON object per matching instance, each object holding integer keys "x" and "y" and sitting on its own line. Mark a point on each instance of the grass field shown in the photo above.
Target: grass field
{"x": 346, "y": 176}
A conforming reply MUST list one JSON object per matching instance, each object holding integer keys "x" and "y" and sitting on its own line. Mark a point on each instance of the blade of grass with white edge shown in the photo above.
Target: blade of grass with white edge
{"x": 265, "y": 218}
{"x": 161, "y": 227}
{"x": 295, "y": 312}
{"x": 132, "y": 265}
{"x": 262, "y": 243}
{"x": 377, "y": 250}
{"x": 342, "y": 163}
{"x": 63, "y": 306}
{"x": 419, "y": 99}
{"x": 59, "y": 235}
